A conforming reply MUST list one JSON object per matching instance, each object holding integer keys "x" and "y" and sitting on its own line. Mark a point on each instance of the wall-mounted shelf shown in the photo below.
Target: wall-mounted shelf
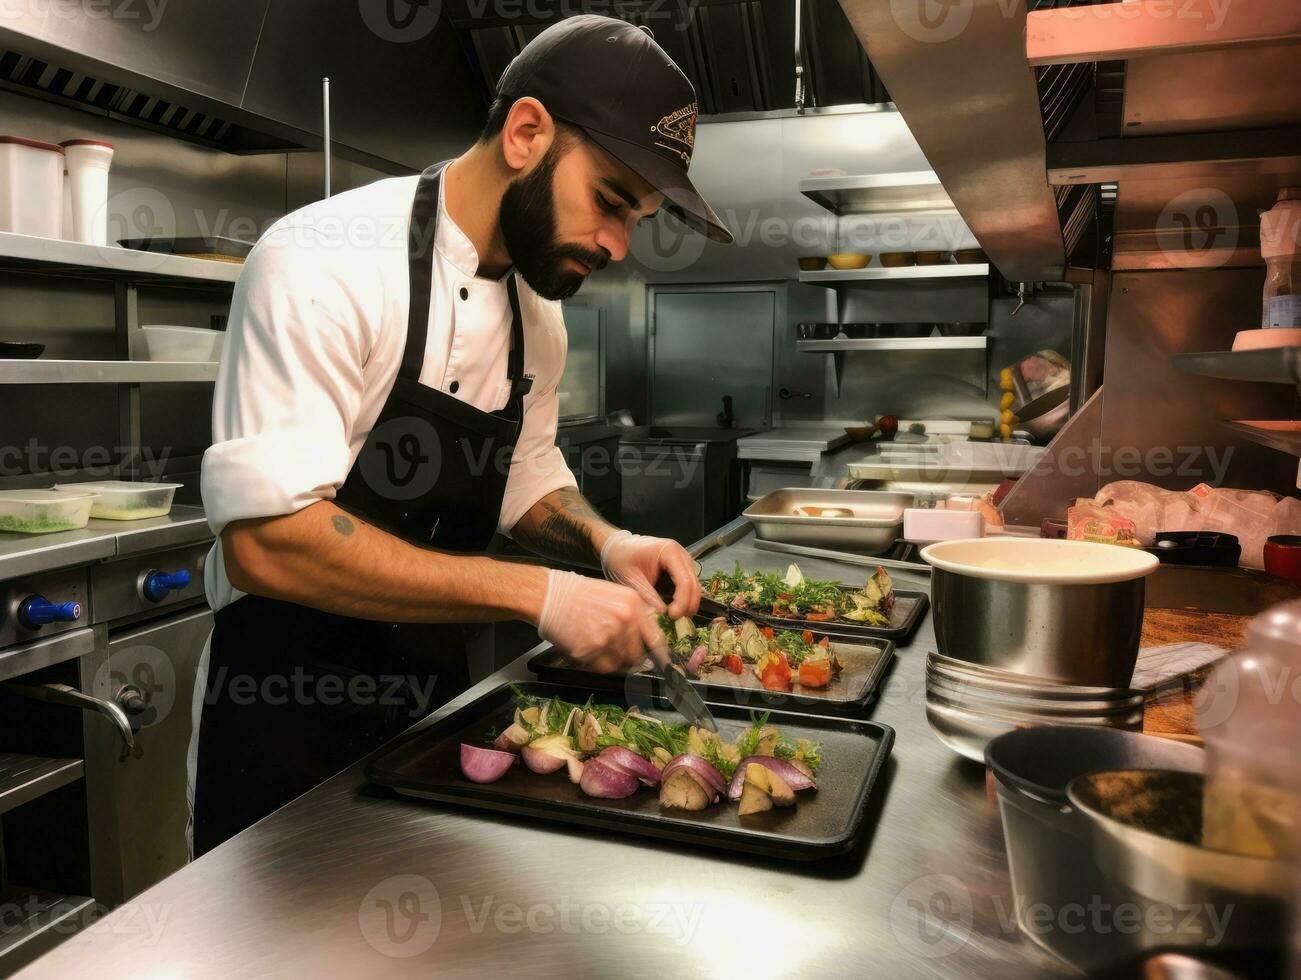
{"x": 913, "y": 192}
{"x": 835, "y": 277}
{"x": 1281, "y": 435}
{"x": 52, "y": 256}
{"x": 1277, "y": 365}
{"x": 44, "y": 372}
{"x": 892, "y": 343}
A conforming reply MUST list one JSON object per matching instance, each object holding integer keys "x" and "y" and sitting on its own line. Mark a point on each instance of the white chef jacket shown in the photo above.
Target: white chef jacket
{"x": 316, "y": 332}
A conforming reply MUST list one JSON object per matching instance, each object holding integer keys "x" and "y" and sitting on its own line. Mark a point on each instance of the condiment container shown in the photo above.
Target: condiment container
{"x": 925, "y": 525}
{"x": 1280, "y": 247}
{"x": 165, "y": 343}
{"x": 44, "y": 511}
{"x": 31, "y": 187}
{"x": 87, "y": 165}
{"x": 125, "y": 500}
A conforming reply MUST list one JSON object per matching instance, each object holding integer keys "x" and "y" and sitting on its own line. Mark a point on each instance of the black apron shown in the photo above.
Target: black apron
{"x": 294, "y": 694}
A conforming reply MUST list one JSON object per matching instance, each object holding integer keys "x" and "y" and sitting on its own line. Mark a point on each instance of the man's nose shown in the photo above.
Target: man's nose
{"x": 613, "y": 237}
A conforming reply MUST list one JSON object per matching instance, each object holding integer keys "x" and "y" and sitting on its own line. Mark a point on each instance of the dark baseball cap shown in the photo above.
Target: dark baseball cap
{"x": 610, "y": 79}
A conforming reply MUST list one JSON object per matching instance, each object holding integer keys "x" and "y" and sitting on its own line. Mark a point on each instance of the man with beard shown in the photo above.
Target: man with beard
{"x": 387, "y": 401}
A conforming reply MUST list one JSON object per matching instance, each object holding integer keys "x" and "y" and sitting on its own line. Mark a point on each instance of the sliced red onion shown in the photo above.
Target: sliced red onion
{"x": 514, "y": 738}
{"x": 547, "y": 754}
{"x": 605, "y": 782}
{"x": 791, "y": 776}
{"x": 575, "y": 769}
{"x": 677, "y": 790}
{"x": 480, "y": 765}
{"x": 626, "y": 760}
{"x": 698, "y": 765}
{"x": 697, "y": 658}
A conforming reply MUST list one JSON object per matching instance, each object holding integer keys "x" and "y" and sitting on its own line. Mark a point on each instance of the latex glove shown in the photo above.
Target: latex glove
{"x": 602, "y": 625}
{"x": 638, "y": 562}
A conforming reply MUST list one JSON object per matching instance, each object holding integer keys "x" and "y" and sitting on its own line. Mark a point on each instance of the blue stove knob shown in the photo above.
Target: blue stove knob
{"x": 36, "y": 611}
{"x": 156, "y": 585}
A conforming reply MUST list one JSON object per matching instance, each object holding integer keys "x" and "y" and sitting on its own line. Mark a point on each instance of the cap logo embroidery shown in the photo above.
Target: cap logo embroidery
{"x": 676, "y": 132}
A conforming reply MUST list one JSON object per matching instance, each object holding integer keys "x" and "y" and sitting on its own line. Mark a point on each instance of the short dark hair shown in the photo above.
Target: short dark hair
{"x": 496, "y": 122}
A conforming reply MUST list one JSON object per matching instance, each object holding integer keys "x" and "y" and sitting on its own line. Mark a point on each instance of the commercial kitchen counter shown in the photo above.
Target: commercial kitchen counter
{"x": 349, "y": 881}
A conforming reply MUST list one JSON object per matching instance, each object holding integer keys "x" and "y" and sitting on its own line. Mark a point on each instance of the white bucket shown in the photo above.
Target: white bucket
{"x": 88, "y": 162}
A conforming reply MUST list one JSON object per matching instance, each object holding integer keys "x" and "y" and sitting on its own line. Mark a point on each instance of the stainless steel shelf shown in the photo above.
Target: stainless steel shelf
{"x": 955, "y": 270}
{"x": 28, "y": 554}
{"x": 37, "y": 922}
{"x": 51, "y": 255}
{"x": 914, "y": 192}
{"x": 892, "y": 343}
{"x": 42, "y": 372}
{"x": 1276, "y": 365}
{"x": 1283, "y": 440}
{"x": 23, "y": 778}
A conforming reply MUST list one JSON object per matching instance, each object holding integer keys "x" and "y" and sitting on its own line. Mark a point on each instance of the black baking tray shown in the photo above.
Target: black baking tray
{"x": 865, "y": 662}
{"x": 824, "y": 822}
{"x": 234, "y": 248}
{"x": 905, "y": 617}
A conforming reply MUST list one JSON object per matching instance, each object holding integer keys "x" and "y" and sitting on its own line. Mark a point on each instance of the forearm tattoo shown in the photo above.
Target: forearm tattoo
{"x": 343, "y": 524}
{"x": 560, "y": 527}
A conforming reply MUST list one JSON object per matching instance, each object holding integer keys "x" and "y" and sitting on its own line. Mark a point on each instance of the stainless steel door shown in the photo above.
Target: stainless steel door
{"x": 137, "y": 798}
{"x": 582, "y": 383}
{"x": 708, "y": 344}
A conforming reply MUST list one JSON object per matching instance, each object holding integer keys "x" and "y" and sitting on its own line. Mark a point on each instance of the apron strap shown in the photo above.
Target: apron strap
{"x": 421, "y": 231}
{"x": 520, "y": 385}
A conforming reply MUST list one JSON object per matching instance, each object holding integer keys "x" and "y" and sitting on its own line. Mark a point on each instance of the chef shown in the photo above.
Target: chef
{"x": 387, "y": 401}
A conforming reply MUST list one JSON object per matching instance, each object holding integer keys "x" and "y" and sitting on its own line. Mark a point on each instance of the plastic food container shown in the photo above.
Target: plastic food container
{"x": 124, "y": 500}
{"x": 166, "y": 343}
{"x": 923, "y": 525}
{"x": 44, "y": 511}
{"x": 87, "y": 163}
{"x": 31, "y": 187}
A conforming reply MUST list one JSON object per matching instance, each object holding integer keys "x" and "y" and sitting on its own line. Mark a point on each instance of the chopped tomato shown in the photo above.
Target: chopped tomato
{"x": 808, "y": 636}
{"x": 815, "y": 673}
{"x": 819, "y": 617}
{"x": 776, "y": 677}
{"x": 768, "y": 631}
{"x": 732, "y": 662}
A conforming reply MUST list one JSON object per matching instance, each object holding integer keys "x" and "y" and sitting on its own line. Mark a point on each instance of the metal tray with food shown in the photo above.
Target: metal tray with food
{"x": 862, "y": 521}
{"x": 781, "y": 785}
{"x": 732, "y": 665}
{"x": 825, "y": 607}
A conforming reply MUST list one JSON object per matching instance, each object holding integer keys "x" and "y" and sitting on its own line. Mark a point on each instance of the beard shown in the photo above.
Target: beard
{"x": 528, "y": 228}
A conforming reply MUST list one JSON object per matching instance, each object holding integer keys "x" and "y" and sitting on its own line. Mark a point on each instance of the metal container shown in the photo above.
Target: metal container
{"x": 874, "y": 524}
{"x": 1007, "y": 682}
{"x": 1066, "y": 611}
{"x": 1048, "y": 852}
{"x": 974, "y": 696}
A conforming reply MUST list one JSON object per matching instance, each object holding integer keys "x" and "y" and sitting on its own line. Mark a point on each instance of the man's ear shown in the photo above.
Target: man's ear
{"x": 527, "y": 135}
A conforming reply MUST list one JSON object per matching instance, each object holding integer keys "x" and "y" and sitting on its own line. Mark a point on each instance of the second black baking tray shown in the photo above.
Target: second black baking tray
{"x": 864, "y": 663}
{"x": 824, "y": 822}
{"x": 905, "y": 617}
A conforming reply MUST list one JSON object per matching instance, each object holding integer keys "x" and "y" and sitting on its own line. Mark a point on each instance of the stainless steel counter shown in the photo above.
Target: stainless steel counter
{"x": 26, "y": 554}
{"x": 347, "y": 881}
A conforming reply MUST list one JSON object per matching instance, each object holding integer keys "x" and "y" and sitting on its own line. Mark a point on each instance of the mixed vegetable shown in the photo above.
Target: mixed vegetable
{"x": 779, "y": 658}
{"x": 610, "y": 751}
{"x": 794, "y": 597}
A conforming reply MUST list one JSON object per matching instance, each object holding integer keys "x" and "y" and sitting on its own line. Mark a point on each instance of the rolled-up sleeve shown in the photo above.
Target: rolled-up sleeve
{"x": 538, "y": 466}
{"x": 290, "y": 385}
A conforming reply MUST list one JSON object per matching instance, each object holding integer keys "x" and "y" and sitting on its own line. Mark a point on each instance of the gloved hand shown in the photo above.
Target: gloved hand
{"x": 602, "y": 625}
{"x": 638, "y": 562}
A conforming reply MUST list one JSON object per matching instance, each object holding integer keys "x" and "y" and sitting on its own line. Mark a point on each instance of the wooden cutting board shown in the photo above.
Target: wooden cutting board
{"x": 1169, "y": 709}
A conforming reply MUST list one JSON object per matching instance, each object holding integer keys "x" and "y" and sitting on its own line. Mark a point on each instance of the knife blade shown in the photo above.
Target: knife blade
{"x": 684, "y": 698}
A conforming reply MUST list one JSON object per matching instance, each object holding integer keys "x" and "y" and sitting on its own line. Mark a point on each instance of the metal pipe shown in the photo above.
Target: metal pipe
{"x": 799, "y": 65}
{"x": 325, "y": 114}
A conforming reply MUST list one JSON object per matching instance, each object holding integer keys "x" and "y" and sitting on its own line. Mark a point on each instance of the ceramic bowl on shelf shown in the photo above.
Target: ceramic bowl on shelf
{"x": 970, "y": 256}
{"x": 898, "y": 260}
{"x": 812, "y": 263}
{"x": 934, "y": 258}
{"x": 849, "y": 261}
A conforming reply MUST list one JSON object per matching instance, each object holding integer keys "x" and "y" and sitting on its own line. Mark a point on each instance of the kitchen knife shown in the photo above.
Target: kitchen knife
{"x": 685, "y": 698}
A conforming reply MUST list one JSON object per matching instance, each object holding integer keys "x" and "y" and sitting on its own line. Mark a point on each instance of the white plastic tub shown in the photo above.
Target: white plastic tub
{"x": 124, "y": 500}
{"x": 165, "y": 343}
{"x": 87, "y": 163}
{"x": 44, "y": 511}
{"x": 31, "y": 187}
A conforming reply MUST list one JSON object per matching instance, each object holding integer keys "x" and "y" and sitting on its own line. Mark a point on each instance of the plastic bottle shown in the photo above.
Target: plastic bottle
{"x": 1249, "y": 716}
{"x": 1280, "y": 247}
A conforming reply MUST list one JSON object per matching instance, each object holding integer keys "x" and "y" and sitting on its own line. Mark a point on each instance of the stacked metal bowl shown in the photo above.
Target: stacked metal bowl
{"x": 968, "y": 705}
{"x": 1032, "y": 632}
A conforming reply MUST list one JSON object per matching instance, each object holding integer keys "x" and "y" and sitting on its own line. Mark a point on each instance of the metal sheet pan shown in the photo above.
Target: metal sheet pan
{"x": 865, "y": 662}
{"x": 909, "y": 608}
{"x": 824, "y": 822}
{"x": 875, "y": 524}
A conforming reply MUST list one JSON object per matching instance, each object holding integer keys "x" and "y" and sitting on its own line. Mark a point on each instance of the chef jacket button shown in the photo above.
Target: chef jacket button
{"x": 454, "y": 387}
{"x": 465, "y": 293}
